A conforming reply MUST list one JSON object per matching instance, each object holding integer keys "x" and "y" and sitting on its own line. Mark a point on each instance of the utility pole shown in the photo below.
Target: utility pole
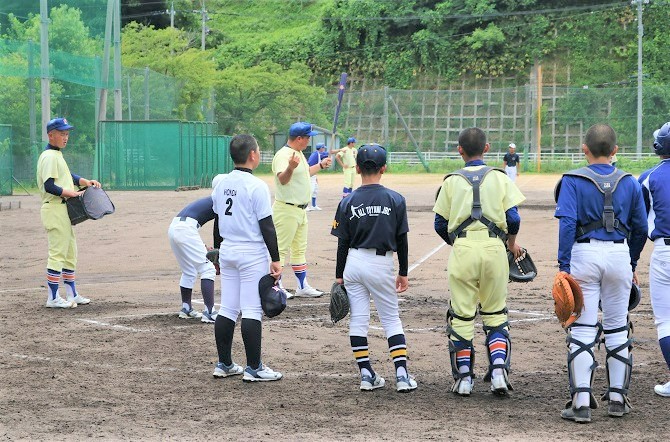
{"x": 118, "y": 115}
{"x": 172, "y": 15}
{"x": 640, "y": 33}
{"x": 45, "y": 83}
{"x": 204, "y": 28}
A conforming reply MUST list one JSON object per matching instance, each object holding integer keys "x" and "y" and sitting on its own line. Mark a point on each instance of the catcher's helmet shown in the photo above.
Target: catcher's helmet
{"x": 662, "y": 140}
{"x": 635, "y": 296}
{"x": 273, "y": 297}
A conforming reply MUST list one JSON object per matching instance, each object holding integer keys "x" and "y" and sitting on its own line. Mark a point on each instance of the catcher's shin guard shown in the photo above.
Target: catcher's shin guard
{"x": 588, "y": 347}
{"x": 503, "y": 329}
{"x": 628, "y": 361}
{"x": 465, "y": 344}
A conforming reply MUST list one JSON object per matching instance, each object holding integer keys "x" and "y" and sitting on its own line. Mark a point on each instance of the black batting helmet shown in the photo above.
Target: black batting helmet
{"x": 273, "y": 297}
{"x": 662, "y": 140}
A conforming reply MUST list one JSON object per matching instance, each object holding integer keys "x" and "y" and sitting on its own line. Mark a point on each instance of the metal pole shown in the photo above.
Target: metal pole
{"x": 146, "y": 93}
{"x": 118, "y": 114}
{"x": 204, "y": 20}
{"x": 640, "y": 32}
{"x": 32, "y": 92}
{"x": 172, "y": 15}
{"x": 104, "y": 75}
{"x": 538, "y": 120}
{"x": 45, "y": 83}
{"x": 130, "y": 112}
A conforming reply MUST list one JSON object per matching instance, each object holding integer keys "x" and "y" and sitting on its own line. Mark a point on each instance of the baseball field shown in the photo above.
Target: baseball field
{"x": 126, "y": 367}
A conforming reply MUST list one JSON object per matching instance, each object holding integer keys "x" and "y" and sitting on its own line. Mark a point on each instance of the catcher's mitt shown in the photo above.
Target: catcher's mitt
{"x": 568, "y": 298}
{"x": 521, "y": 269}
{"x": 339, "y": 302}
{"x": 94, "y": 203}
{"x": 213, "y": 255}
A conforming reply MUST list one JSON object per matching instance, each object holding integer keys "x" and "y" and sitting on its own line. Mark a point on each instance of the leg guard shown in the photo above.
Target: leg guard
{"x": 574, "y": 389}
{"x": 504, "y": 330}
{"x": 614, "y": 353}
{"x": 453, "y": 336}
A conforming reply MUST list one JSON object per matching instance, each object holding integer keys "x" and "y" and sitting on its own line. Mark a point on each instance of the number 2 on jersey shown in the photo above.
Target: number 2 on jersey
{"x": 229, "y": 206}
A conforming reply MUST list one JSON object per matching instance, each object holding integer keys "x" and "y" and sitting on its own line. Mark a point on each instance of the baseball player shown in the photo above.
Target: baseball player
{"x": 476, "y": 213}
{"x": 56, "y": 183}
{"x": 370, "y": 225}
{"x": 191, "y": 254}
{"x": 315, "y": 158}
{"x": 602, "y": 231}
{"x": 656, "y": 193}
{"x": 292, "y": 193}
{"x": 512, "y": 162}
{"x": 242, "y": 202}
{"x": 346, "y": 158}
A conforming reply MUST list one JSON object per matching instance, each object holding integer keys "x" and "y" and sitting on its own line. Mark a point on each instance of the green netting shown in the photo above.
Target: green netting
{"x": 142, "y": 155}
{"x": 6, "y": 169}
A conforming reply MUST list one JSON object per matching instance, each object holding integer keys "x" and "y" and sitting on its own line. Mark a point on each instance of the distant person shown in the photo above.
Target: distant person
{"x": 56, "y": 184}
{"x": 346, "y": 158}
{"x": 512, "y": 162}
{"x": 613, "y": 160}
{"x": 315, "y": 158}
{"x": 292, "y": 196}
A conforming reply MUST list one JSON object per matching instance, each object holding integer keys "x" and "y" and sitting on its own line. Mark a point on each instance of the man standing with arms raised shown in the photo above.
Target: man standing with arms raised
{"x": 292, "y": 195}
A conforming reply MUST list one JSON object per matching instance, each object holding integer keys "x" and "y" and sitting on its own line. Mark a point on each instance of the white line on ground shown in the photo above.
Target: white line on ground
{"x": 116, "y": 326}
{"x": 425, "y": 257}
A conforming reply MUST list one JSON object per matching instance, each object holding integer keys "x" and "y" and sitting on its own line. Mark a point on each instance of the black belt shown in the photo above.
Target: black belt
{"x": 588, "y": 240}
{"x": 184, "y": 218}
{"x": 666, "y": 241}
{"x": 381, "y": 252}
{"x": 299, "y": 206}
{"x": 62, "y": 201}
{"x": 465, "y": 233}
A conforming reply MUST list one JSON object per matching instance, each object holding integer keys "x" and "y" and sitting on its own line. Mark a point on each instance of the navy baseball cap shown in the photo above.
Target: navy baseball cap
{"x": 58, "y": 124}
{"x": 371, "y": 156}
{"x": 302, "y": 129}
{"x": 351, "y": 140}
{"x": 320, "y": 145}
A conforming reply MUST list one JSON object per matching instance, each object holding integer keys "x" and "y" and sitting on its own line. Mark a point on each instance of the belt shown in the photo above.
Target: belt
{"x": 62, "y": 201}
{"x": 464, "y": 234}
{"x": 184, "y": 218}
{"x": 380, "y": 252}
{"x": 666, "y": 241}
{"x": 299, "y": 206}
{"x": 588, "y": 240}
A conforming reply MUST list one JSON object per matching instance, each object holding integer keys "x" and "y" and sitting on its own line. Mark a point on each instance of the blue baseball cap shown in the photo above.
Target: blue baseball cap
{"x": 351, "y": 140}
{"x": 301, "y": 129}
{"x": 371, "y": 156}
{"x": 320, "y": 146}
{"x": 58, "y": 124}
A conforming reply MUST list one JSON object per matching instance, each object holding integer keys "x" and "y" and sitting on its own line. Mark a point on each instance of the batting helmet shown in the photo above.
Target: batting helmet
{"x": 635, "y": 296}
{"x": 662, "y": 140}
{"x": 273, "y": 297}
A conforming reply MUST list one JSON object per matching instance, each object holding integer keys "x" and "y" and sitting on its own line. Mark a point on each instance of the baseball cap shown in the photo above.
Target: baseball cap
{"x": 371, "y": 156}
{"x": 320, "y": 145}
{"x": 58, "y": 124}
{"x": 512, "y": 145}
{"x": 351, "y": 140}
{"x": 301, "y": 129}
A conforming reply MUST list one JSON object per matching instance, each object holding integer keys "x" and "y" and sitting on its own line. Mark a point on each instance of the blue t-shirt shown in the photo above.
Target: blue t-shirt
{"x": 656, "y": 192}
{"x": 316, "y": 157}
{"x": 580, "y": 202}
{"x": 201, "y": 210}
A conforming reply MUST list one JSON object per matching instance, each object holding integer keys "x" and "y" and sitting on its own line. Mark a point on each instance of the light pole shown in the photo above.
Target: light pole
{"x": 640, "y": 33}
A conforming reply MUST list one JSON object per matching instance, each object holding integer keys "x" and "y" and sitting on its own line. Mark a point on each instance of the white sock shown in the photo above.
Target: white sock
{"x": 365, "y": 372}
{"x": 498, "y": 371}
{"x": 465, "y": 369}
{"x": 186, "y": 306}
{"x": 401, "y": 372}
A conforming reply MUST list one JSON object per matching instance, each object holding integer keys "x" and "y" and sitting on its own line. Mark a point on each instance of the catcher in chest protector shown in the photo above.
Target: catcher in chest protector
{"x": 602, "y": 230}
{"x": 371, "y": 224}
{"x": 56, "y": 183}
{"x": 476, "y": 213}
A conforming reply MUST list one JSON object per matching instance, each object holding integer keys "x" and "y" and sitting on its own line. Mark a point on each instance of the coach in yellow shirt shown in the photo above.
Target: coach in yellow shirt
{"x": 293, "y": 190}
{"x": 346, "y": 158}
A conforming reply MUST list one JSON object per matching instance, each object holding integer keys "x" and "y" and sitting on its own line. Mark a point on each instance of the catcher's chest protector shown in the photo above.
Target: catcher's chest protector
{"x": 606, "y": 184}
{"x": 475, "y": 178}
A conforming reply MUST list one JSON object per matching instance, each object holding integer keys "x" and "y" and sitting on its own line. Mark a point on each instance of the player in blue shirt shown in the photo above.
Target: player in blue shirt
{"x": 601, "y": 235}
{"x": 315, "y": 158}
{"x": 656, "y": 192}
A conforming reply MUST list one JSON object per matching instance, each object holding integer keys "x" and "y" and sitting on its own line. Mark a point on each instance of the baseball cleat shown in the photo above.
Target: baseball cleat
{"x": 189, "y": 314}
{"x": 317, "y": 208}
{"x": 580, "y": 415}
{"x": 308, "y": 292}
{"x": 405, "y": 384}
{"x": 310, "y": 208}
{"x": 617, "y": 409}
{"x": 499, "y": 385}
{"x": 209, "y": 317}
{"x": 369, "y": 383}
{"x": 663, "y": 390}
{"x": 79, "y": 300}
{"x": 262, "y": 374}
{"x": 59, "y": 302}
{"x": 463, "y": 387}
{"x": 223, "y": 371}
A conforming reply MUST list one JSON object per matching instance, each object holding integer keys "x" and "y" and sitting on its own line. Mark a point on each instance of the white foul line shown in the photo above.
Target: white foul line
{"x": 421, "y": 261}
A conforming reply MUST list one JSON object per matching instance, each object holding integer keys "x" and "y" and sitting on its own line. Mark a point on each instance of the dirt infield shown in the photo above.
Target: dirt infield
{"x": 126, "y": 368}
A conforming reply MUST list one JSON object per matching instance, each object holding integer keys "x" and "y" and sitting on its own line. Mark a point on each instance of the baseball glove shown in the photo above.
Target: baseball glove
{"x": 521, "y": 269}
{"x": 568, "y": 298}
{"x": 213, "y": 255}
{"x": 339, "y": 302}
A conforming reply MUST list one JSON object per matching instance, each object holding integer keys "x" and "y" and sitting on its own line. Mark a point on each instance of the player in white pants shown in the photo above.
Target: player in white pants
{"x": 242, "y": 202}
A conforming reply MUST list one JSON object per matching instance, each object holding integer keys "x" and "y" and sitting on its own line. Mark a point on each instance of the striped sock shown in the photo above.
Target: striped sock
{"x": 463, "y": 356}
{"x": 398, "y": 351}
{"x": 497, "y": 347}
{"x": 313, "y": 201}
{"x": 68, "y": 279}
{"x": 359, "y": 345}
{"x": 300, "y": 271}
{"x": 53, "y": 279}
{"x": 665, "y": 349}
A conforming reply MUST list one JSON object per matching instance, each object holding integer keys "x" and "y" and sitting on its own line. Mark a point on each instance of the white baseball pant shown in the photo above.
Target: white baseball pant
{"x": 190, "y": 251}
{"x": 242, "y": 266}
{"x": 659, "y": 286}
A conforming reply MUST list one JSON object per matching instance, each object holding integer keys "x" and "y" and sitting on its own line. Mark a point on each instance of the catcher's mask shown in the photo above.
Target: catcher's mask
{"x": 273, "y": 297}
